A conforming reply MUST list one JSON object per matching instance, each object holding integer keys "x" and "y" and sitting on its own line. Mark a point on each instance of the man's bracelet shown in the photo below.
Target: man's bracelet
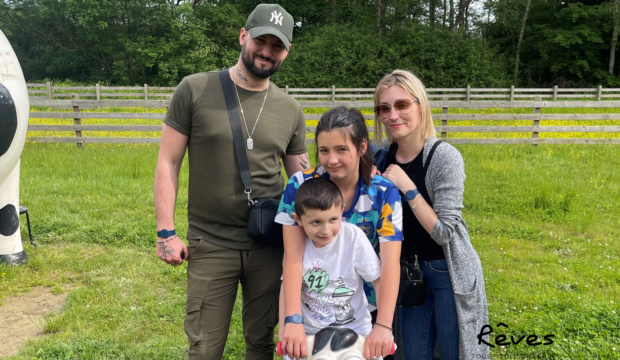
{"x": 385, "y": 326}
{"x": 163, "y": 241}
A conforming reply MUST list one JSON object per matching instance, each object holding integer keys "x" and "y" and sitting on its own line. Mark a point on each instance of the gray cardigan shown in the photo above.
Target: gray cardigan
{"x": 445, "y": 181}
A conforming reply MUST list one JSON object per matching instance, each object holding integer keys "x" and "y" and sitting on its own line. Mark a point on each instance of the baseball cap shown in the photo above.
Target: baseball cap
{"x": 271, "y": 19}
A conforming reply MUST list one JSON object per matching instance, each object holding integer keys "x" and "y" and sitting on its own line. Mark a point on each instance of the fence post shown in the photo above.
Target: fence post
{"x": 98, "y": 91}
{"x": 444, "y": 122}
{"x": 48, "y": 85}
{"x": 536, "y": 121}
{"x": 468, "y": 93}
{"x": 146, "y": 92}
{"x": 512, "y": 93}
{"x": 168, "y": 98}
{"x": 77, "y": 120}
{"x": 333, "y": 93}
{"x": 555, "y": 93}
{"x": 286, "y": 89}
{"x": 600, "y": 93}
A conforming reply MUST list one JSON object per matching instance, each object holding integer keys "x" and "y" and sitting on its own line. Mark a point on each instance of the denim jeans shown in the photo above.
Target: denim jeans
{"x": 435, "y": 320}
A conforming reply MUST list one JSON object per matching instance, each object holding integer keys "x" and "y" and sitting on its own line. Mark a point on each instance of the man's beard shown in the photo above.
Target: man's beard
{"x": 248, "y": 62}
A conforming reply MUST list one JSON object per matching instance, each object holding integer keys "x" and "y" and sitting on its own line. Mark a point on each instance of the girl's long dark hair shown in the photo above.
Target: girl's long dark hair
{"x": 352, "y": 124}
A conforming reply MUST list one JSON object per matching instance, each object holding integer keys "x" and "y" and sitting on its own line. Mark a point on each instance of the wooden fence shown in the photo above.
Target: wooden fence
{"x": 47, "y": 91}
{"x": 534, "y": 129}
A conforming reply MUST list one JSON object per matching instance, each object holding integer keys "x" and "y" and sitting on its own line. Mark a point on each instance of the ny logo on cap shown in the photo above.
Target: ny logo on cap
{"x": 277, "y": 17}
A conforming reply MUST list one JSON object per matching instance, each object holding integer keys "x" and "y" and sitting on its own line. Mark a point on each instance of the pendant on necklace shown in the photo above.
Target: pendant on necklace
{"x": 250, "y": 143}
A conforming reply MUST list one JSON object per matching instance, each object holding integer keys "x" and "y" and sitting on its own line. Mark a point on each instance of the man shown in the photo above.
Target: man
{"x": 220, "y": 253}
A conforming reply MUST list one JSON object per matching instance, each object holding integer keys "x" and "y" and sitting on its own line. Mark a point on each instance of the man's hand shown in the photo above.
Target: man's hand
{"x": 170, "y": 250}
{"x": 294, "y": 341}
{"x": 378, "y": 343}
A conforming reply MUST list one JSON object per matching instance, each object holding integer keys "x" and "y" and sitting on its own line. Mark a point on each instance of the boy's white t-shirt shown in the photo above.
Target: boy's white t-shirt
{"x": 332, "y": 291}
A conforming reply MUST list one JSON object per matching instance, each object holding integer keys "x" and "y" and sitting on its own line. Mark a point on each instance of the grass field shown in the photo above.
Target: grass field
{"x": 545, "y": 221}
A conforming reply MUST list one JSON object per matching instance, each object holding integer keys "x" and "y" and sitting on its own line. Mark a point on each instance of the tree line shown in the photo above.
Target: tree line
{"x": 347, "y": 43}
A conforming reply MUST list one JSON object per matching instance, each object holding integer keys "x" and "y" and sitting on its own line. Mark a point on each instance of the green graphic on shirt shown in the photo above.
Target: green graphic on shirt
{"x": 342, "y": 304}
{"x": 317, "y": 280}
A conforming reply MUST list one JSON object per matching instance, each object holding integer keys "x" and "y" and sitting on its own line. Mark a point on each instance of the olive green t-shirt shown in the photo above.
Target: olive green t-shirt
{"x": 217, "y": 206}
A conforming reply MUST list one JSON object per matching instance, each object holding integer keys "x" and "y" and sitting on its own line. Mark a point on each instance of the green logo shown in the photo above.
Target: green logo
{"x": 316, "y": 280}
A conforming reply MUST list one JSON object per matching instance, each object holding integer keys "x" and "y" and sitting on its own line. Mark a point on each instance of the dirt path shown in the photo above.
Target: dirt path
{"x": 21, "y": 317}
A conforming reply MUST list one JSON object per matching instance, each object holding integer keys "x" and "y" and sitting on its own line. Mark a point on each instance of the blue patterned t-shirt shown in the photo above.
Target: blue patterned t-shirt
{"x": 377, "y": 210}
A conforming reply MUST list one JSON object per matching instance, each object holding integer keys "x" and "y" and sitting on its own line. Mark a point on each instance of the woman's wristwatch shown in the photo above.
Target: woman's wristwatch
{"x": 411, "y": 194}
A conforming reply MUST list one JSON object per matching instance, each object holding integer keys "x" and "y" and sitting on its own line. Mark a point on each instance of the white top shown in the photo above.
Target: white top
{"x": 332, "y": 291}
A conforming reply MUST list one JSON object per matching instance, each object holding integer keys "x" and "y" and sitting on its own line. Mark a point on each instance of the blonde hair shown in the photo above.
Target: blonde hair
{"x": 414, "y": 88}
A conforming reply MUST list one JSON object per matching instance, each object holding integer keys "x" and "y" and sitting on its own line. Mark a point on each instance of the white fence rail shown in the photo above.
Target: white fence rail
{"x": 41, "y": 91}
{"x": 443, "y": 129}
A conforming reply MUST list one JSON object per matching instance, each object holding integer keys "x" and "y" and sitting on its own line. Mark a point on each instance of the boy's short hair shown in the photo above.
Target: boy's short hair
{"x": 317, "y": 194}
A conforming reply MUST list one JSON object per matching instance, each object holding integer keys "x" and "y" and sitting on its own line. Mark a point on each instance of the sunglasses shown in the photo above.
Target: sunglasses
{"x": 402, "y": 107}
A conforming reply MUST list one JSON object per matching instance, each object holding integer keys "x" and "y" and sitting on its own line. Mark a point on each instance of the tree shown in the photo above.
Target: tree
{"x": 614, "y": 37}
{"x": 527, "y": 9}
{"x": 354, "y": 56}
{"x": 461, "y": 16}
{"x": 565, "y": 43}
{"x": 160, "y": 41}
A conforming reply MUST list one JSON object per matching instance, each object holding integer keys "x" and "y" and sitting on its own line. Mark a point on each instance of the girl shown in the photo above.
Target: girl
{"x": 372, "y": 204}
{"x": 430, "y": 175}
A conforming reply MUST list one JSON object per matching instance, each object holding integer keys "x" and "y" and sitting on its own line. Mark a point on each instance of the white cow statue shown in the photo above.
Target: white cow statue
{"x": 334, "y": 343}
{"x": 14, "y": 113}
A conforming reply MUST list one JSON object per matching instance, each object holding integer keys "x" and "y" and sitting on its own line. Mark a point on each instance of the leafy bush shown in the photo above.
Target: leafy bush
{"x": 355, "y": 56}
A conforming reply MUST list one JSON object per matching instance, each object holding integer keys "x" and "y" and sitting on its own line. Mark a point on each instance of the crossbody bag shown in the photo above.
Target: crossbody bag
{"x": 412, "y": 289}
{"x": 262, "y": 212}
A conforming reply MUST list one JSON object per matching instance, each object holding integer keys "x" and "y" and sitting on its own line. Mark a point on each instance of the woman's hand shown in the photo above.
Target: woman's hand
{"x": 378, "y": 343}
{"x": 399, "y": 178}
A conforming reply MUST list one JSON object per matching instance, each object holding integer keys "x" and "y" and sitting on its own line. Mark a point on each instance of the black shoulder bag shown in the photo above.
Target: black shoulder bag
{"x": 412, "y": 289}
{"x": 261, "y": 224}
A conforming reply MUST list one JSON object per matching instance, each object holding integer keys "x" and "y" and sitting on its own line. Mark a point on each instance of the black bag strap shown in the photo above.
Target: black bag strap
{"x": 237, "y": 132}
{"x": 426, "y": 164}
{"x": 430, "y": 155}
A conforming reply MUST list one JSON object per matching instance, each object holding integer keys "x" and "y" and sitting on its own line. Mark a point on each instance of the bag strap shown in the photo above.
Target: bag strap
{"x": 426, "y": 164}
{"x": 430, "y": 155}
{"x": 237, "y": 132}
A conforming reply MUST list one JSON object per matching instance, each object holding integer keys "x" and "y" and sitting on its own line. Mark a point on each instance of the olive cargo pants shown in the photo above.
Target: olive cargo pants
{"x": 214, "y": 273}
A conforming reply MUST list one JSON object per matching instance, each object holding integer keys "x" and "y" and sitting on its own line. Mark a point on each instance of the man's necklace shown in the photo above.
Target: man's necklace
{"x": 250, "y": 141}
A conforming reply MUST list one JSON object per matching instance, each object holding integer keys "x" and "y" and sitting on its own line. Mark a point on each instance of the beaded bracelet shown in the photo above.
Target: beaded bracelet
{"x": 163, "y": 241}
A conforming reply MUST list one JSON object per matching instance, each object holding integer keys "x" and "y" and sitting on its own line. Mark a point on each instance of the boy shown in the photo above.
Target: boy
{"x": 337, "y": 257}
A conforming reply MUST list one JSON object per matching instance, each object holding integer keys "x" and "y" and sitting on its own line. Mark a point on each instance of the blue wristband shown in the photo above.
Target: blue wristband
{"x": 163, "y": 233}
{"x": 295, "y": 318}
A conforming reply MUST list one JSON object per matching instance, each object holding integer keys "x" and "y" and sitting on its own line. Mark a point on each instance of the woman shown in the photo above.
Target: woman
{"x": 371, "y": 203}
{"x": 430, "y": 176}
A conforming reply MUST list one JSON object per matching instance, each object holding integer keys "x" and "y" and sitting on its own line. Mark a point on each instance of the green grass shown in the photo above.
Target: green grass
{"x": 545, "y": 221}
